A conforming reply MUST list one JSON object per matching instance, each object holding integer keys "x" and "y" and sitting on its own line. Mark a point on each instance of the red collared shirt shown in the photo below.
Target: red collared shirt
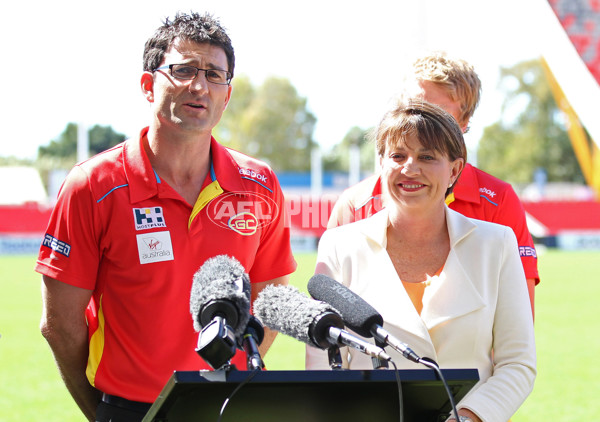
{"x": 485, "y": 197}
{"x": 119, "y": 230}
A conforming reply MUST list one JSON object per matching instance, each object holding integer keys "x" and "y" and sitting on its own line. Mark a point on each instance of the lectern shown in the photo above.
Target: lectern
{"x": 309, "y": 396}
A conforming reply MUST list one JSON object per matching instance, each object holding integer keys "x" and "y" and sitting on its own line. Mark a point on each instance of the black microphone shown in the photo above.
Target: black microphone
{"x": 287, "y": 310}
{"x": 249, "y": 342}
{"x": 358, "y": 315}
{"x": 220, "y": 308}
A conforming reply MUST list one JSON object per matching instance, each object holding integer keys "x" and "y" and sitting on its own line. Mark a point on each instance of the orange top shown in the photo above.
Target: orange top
{"x": 417, "y": 290}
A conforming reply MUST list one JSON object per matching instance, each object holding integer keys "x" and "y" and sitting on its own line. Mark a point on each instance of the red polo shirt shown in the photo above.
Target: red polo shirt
{"x": 477, "y": 194}
{"x": 485, "y": 197}
{"x": 118, "y": 230}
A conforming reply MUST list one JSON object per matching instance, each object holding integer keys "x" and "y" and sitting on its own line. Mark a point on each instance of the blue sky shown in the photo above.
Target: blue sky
{"x": 73, "y": 61}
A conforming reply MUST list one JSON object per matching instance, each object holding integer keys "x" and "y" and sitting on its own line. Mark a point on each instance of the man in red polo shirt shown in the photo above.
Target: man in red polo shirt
{"x": 132, "y": 225}
{"x": 453, "y": 85}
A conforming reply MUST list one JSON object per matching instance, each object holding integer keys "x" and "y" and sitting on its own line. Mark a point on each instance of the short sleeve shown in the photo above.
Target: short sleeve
{"x": 70, "y": 249}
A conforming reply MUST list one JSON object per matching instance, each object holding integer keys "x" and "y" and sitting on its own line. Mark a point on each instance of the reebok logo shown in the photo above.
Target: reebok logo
{"x": 488, "y": 192}
{"x": 254, "y": 175}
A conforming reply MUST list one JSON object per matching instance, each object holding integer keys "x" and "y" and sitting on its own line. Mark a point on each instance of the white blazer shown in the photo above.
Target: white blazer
{"x": 479, "y": 302}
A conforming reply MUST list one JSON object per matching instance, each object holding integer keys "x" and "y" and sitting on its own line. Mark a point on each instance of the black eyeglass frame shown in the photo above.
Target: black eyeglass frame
{"x": 170, "y": 67}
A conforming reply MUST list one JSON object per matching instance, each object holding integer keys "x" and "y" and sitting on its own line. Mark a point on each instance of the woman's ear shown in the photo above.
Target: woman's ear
{"x": 456, "y": 168}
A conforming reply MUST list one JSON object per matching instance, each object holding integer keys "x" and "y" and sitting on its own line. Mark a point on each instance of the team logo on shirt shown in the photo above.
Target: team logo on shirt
{"x": 148, "y": 218}
{"x": 243, "y": 212}
{"x": 244, "y": 223}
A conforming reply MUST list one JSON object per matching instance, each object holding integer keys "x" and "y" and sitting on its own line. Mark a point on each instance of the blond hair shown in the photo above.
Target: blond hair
{"x": 456, "y": 75}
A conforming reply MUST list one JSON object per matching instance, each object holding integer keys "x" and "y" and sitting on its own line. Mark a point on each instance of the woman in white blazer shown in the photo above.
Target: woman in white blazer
{"x": 451, "y": 287}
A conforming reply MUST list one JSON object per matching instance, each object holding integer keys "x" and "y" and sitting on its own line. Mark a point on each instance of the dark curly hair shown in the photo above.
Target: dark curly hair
{"x": 189, "y": 27}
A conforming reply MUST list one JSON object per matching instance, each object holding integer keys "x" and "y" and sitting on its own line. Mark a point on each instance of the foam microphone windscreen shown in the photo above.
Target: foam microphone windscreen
{"x": 221, "y": 287}
{"x": 358, "y": 315}
{"x": 287, "y": 310}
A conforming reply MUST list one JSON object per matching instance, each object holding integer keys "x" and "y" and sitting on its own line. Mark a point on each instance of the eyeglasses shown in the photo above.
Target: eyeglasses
{"x": 188, "y": 72}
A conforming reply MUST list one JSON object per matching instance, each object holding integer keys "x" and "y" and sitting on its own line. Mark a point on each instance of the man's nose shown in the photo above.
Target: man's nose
{"x": 199, "y": 83}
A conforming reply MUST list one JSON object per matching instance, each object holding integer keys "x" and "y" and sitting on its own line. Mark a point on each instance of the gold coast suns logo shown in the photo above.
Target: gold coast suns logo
{"x": 243, "y": 212}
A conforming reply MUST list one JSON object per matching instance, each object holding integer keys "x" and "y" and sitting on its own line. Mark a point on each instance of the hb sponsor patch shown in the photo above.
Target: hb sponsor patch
{"x": 148, "y": 218}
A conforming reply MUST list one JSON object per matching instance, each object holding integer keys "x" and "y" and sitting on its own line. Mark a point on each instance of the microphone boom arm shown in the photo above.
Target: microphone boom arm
{"x": 382, "y": 335}
{"x": 347, "y": 339}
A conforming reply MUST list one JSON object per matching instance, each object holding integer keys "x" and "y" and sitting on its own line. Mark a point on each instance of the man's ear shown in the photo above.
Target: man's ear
{"x": 464, "y": 126}
{"x": 147, "y": 85}
{"x": 229, "y": 91}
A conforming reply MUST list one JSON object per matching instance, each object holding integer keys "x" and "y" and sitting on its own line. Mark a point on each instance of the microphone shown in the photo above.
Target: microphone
{"x": 358, "y": 315}
{"x": 285, "y": 309}
{"x": 249, "y": 342}
{"x": 220, "y": 308}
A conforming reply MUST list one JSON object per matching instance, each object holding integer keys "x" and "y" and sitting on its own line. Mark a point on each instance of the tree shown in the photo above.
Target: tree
{"x": 228, "y": 131}
{"x": 270, "y": 122}
{"x": 101, "y": 138}
{"x": 61, "y": 153}
{"x": 531, "y": 131}
{"x": 338, "y": 158}
{"x": 14, "y": 161}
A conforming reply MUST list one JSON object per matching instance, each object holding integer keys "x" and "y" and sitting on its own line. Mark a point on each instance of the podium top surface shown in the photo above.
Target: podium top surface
{"x": 406, "y": 376}
{"x": 310, "y": 395}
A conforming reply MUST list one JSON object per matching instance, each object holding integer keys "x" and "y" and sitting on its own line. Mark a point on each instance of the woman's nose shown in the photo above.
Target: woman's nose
{"x": 410, "y": 167}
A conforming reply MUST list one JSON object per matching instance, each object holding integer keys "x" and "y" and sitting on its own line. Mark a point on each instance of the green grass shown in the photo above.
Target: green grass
{"x": 30, "y": 386}
{"x": 286, "y": 352}
{"x": 567, "y": 327}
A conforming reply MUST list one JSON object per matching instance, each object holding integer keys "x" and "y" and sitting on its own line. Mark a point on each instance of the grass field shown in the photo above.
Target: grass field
{"x": 567, "y": 329}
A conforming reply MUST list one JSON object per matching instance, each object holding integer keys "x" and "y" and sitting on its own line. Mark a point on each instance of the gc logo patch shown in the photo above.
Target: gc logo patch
{"x": 148, "y": 218}
{"x": 243, "y": 212}
{"x": 244, "y": 223}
